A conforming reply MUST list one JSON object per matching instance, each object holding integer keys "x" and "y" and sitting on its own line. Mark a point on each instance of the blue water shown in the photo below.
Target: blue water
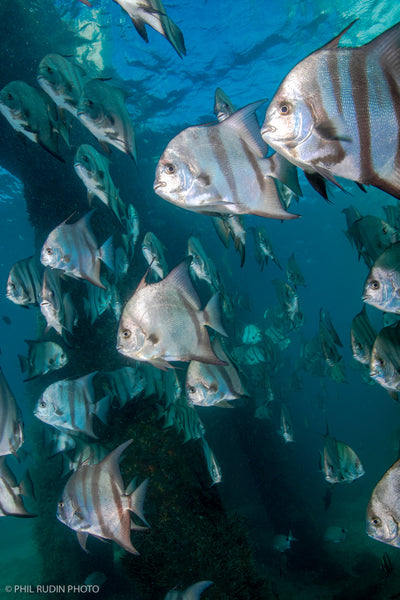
{"x": 246, "y": 48}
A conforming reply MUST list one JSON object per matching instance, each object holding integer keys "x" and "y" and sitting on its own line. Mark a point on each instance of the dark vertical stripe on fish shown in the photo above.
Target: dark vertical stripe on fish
{"x": 360, "y": 95}
{"x": 395, "y": 96}
{"x": 333, "y": 70}
{"x": 254, "y": 164}
{"x": 218, "y": 150}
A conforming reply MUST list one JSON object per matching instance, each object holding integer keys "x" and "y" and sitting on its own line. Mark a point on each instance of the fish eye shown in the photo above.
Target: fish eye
{"x": 10, "y": 96}
{"x": 191, "y": 390}
{"x": 85, "y": 158}
{"x": 49, "y": 69}
{"x": 384, "y": 229}
{"x": 49, "y": 251}
{"x": 284, "y": 109}
{"x": 11, "y": 286}
{"x": 42, "y": 404}
{"x": 126, "y": 333}
{"x": 359, "y": 346}
{"x": 61, "y": 504}
{"x": 169, "y": 169}
{"x": 89, "y": 102}
{"x": 374, "y": 285}
{"x": 377, "y": 521}
{"x": 380, "y": 361}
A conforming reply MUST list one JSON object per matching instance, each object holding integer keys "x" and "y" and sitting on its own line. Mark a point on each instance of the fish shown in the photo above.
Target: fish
{"x": 382, "y": 286}
{"x": 328, "y": 346}
{"x": 62, "y": 80}
{"x": 371, "y": 236}
{"x": 293, "y": 272}
{"x": 282, "y": 542}
{"x": 153, "y": 14}
{"x": 93, "y": 169}
{"x": 25, "y": 282}
{"x": 251, "y": 334}
{"x": 56, "y": 307}
{"x": 339, "y": 462}
{"x": 385, "y": 359}
{"x": 124, "y": 384}
{"x": 287, "y": 297}
{"x": 69, "y": 405}
{"x": 212, "y": 465}
{"x": 363, "y": 336}
{"x": 335, "y": 113}
{"x": 43, "y": 357}
{"x": 263, "y": 247}
{"x": 220, "y": 168}
{"x": 94, "y": 502}
{"x": 155, "y": 314}
{"x": 213, "y": 385}
{"x": 28, "y": 111}
{"x": 153, "y": 251}
{"x": 74, "y": 250}
{"x": 11, "y": 502}
{"x": 392, "y": 214}
{"x": 89, "y": 453}
{"x": 286, "y": 428}
{"x": 223, "y": 107}
{"x": 11, "y": 424}
{"x": 383, "y": 517}
{"x": 132, "y": 226}
{"x": 101, "y": 109}
{"x": 325, "y": 318}
{"x": 96, "y": 578}
{"x": 335, "y": 534}
{"x": 193, "y": 592}
{"x": 185, "y": 419}
{"x": 201, "y": 265}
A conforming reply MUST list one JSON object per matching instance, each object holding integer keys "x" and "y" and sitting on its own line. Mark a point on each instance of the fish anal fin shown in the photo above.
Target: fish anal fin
{"x": 140, "y": 27}
{"x": 82, "y": 539}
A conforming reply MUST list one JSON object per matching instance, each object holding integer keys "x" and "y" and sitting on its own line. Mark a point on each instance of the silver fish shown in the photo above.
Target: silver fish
{"x": 28, "y": 111}
{"x": 94, "y": 502}
{"x": 93, "y": 168}
{"x": 102, "y": 110}
{"x": 325, "y": 318}
{"x": 339, "y": 462}
{"x": 282, "y": 542}
{"x": 363, "y": 336}
{"x": 385, "y": 359}
{"x": 392, "y": 216}
{"x": 202, "y": 266}
{"x": 223, "y": 107}
{"x": 56, "y": 307}
{"x": 213, "y": 385}
{"x": 98, "y": 300}
{"x": 293, "y": 272}
{"x": 220, "y": 169}
{"x": 124, "y": 384}
{"x": 24, "y": 282}
{"x": 157, "y": 312}
{"x": 191, "y": 593}
{"x": 382, "y": 286}
{"x": 263, "y": 247}
{"x": 286, "y": 428}
{"x": 335, "y": 113}
{"x": 73, "y": 249}
{"x": 383, "y": 514}
{"x": 11, "y": 425}
{"x": 288, "y": 298}
{"x": 132, "y": 227}
{"x": 328, "y": 346}
{"x": 153, "y": 251}
{"x": 43, "y": 357}
{"x": 153, "y": 13}
{"x": 185, "y": 419}
{"x": 69, "y": 405}
{"x": 213, "y": 467}
{"x": 235, "y": 229}
{"x": 371, "y": 236}
{"x": 62, "y": 80}
{"x": 11, "y": 502}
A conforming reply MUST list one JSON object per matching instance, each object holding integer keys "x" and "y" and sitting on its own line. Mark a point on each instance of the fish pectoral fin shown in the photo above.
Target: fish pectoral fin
{"x": 203, "y": 179}
{"x": 151, "y": 10}
{"x": 329, "y": 131}
{"x": 140, "y": 27}
{"x": 325, "y": 173}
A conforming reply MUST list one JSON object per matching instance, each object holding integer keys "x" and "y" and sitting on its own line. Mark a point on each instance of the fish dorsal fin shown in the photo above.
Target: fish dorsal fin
{"x": 142, "y": 282}
{"x": 111, "y": 464}
{"x": 245, "y": 124}
{"x": 179, "y": 278}
{"x": 334, "y": 43}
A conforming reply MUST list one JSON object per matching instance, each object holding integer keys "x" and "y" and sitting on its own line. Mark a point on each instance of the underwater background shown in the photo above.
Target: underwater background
{"x": 223, "y": 532}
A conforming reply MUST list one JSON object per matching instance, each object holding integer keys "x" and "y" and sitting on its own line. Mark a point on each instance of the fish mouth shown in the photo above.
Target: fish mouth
{"x": 158, "y": 185}
{"x": 268, "y": 129}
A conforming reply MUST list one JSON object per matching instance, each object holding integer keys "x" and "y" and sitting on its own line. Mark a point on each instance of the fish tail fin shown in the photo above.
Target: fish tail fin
{"x": 194, "y": 591}
{"x": 212, "y": 315}
{"x": 136, "y": 498}
{"x": 24, "y": 363}
{"x": 285, "y": 172}
{"x": 107, "y": 253}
